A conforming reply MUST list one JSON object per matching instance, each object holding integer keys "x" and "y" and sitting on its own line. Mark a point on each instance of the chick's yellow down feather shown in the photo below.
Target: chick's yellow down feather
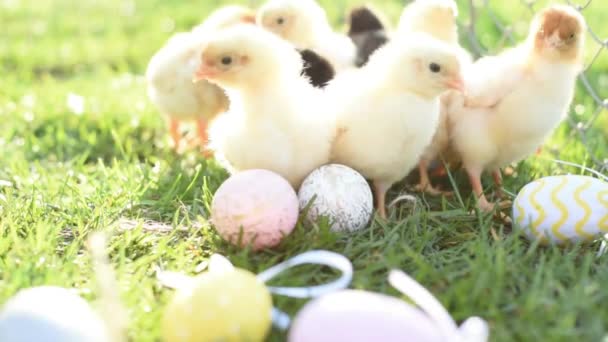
{"x": 435, "y": 17}
{"x": 517, "y": 98}
{"x": 438, "y": 19}
{"x": 170, "y": 70}
{"x": 304, "y": 23}
{"x": 388, "y": 111}
{"x": 277, "y": 120}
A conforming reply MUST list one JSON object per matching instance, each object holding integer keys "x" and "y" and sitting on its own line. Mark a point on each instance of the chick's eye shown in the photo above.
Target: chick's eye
{"x": 280, "y": 20}
{"x": 572, "y": 36}
{"x": 434, "y": 67}
{"x": 226, "y": 60}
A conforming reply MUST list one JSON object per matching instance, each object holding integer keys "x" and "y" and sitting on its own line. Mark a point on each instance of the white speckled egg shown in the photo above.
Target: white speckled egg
{"x": 339, "y": 193}
{"x": 562, "y": 209}
{"x": 50, "y": 314}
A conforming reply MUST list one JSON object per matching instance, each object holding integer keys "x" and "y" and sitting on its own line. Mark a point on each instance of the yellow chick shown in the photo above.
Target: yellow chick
{"x": 388, "y": 111}
{"x": 304, "y": 23}
{"x": 169, "y": 75}
{"x": 437, "y": 18}
{"x": 516, "y": 99}
{"x": 277, "y": 120}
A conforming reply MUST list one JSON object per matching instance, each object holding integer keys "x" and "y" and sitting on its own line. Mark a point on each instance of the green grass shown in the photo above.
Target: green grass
{"x": 111, "y": 169}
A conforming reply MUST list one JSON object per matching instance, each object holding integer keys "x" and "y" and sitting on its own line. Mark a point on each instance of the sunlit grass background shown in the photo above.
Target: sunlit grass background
{"x": 82, "y": 149}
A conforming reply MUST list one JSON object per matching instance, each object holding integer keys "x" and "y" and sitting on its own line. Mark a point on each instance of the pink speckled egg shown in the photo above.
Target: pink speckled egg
{"x": 360, "y": 316}
{"x": 261, "y": 203}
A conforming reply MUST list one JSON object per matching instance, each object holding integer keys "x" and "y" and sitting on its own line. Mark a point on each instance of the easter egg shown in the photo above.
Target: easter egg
{"x": 339, "y": 193}
{"x": 260, "y": 203}
{"x": 219, "y": 306}
{"x": 50, "y": 314}
{"x": 563, "y": 209}
{"x": 360, "y": 316}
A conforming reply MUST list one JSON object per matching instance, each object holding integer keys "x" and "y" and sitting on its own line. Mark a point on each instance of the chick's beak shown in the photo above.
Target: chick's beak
{"x": 456, "y": 83}
{"x": 554, "y": 42}
{"x": 557, "y": 45}
{"x": 205, "y": 71}
{"x": 249, "y": 19}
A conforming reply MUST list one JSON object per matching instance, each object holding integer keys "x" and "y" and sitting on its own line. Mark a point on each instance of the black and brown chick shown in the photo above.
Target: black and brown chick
{"x": 317, "y": 68}
{"x": 367, "y": 32}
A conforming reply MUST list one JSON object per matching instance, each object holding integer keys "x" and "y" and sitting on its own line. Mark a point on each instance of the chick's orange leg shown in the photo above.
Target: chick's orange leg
{"x": 174, "y": 131}
{"x": 440, "y": 171}
{"x": 380, "y": 190}
{"x": 425, "y": 182}
{"x": 201, "y": 125}
{"x": 475, "y": 179}
{"x": 497, "y": 176}
{"x": 500, "y": 192}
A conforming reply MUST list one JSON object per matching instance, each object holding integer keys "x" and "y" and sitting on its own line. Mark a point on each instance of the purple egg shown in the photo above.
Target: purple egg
{"x": 360, "y": 316}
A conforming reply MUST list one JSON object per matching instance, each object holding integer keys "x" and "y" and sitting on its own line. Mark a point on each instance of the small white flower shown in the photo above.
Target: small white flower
{"x": 28, "y": 116}
{"x": 156, "y": 168}
{"x": 28, "y": 101}
{"x": 75, "y": 103}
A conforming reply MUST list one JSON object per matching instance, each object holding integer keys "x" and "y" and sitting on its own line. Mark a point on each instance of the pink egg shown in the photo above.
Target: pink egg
{"x": 260, "y": 202}
{"x": 360, "y": 316}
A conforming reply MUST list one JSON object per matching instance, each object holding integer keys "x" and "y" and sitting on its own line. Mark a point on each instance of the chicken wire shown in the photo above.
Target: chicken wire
{"x": 580, "y": 126}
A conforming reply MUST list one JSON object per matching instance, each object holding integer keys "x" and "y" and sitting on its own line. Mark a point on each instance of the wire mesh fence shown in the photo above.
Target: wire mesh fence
{"x": 581, "y": 125}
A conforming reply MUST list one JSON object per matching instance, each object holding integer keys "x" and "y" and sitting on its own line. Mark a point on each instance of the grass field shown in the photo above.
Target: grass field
{"x": 66, "y": 171}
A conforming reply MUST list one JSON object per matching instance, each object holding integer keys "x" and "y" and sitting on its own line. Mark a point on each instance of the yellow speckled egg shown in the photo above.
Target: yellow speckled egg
{"x": 563, "y": 209}
{"x": 219, "y": 306}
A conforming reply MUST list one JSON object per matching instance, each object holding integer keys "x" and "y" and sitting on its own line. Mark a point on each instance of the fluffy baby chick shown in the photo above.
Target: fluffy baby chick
{"x": 276, "y": 120}
{"x": 368, "y": 32}
{"x": 387, "y": 111}
{"x": 318, "y": 69}
{"x": 434, "y": 17}
{"x": 169, "y": 75}
{"x": 517, "y": 98}
{"x": 304, "y": 23}
{"x": 438, "y": 19}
